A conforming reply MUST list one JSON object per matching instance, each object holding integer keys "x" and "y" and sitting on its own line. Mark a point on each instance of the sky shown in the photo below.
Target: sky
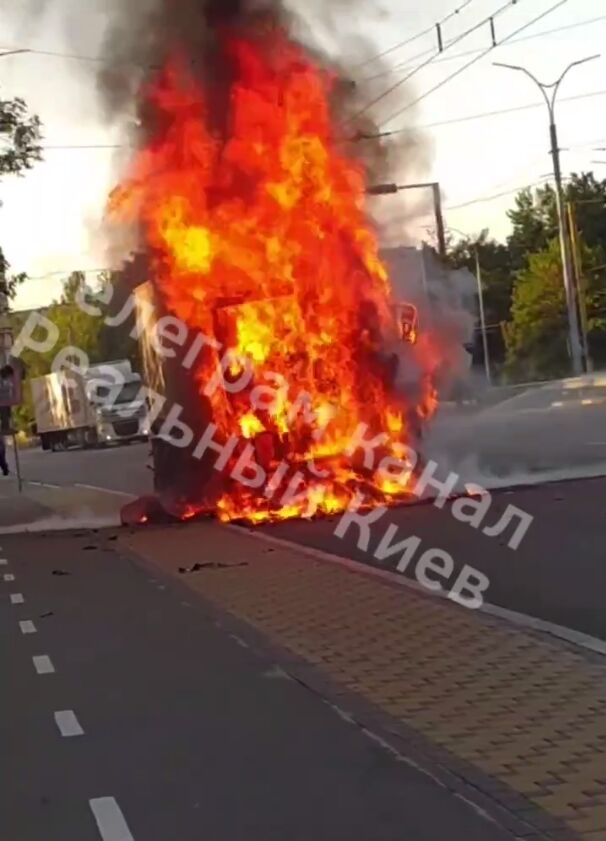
{"x": 50, "y": 221}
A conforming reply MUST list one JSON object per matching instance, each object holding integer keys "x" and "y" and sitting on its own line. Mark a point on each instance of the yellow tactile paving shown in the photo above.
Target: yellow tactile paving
{"x": 522, "y": 708}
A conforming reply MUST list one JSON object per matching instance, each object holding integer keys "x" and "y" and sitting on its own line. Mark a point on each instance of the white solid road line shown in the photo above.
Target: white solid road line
{"x": 110, "y": 820}
{"x": 9, "y": 577}
{"x": 68, "y": 724}
{"x": 43, "y": 665}
{"x": 104, "y": 490}
{"x": 17, "y": 598}
{"x": 27, "y": 627}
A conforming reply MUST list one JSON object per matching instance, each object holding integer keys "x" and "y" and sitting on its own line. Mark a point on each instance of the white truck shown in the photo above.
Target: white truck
{"x": 104, "y": 406}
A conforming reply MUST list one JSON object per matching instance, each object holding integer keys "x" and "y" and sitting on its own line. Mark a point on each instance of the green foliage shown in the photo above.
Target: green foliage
{"x": 20, "y": 138}
{"x": 537, "y": 333}
{"x": 523, "y": 279}
{"x": 497, "y": 272}
{"x": 76, "y": 329}
{"x": 79, "y": 329}
{"x": 21, "y": 135}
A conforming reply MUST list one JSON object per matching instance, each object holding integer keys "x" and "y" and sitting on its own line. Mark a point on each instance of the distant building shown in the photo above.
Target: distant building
{"x": 418, "y": 275}
{"x": 445, "y": 297}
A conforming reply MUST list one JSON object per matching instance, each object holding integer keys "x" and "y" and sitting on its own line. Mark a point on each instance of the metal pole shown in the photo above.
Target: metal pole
{"x": 17, "y": 462}
{"x": 384, "y": 189}
{"x": 580, "y": 285}
{"x": 571, "y": 304}
{"x": 482, "y": 318}
{"x": 437, "y": 204}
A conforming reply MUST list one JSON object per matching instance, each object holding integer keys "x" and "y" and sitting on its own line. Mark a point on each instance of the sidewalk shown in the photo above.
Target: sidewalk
{"x": 39, "y": 507}
{"x": 519, "y": 716}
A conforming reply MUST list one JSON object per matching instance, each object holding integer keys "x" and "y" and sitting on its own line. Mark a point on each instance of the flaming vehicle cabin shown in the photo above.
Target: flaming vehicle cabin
{"x": 284, "y": 349}
{"x": 273, "y": 458}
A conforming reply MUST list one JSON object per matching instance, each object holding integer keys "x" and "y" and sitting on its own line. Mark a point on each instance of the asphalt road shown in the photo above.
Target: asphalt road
{"x": 129, "y": 714}
{"x": 557, "y": 574}
{"x": 519, "y": 439}
{"x": 119, "y": 468}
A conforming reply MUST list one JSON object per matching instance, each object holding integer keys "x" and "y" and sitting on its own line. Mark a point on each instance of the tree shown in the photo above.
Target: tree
{"x": 497, "y": 284}
{"x": 537, "y": 333}
{"x": 497, "y": 272}
{"x": 76, "y": 328}
{"x": 20, "y": 137}
{"x": 117, "y": 340}
{"x": 535, "y": 223}
{"x": 535, "y": 219}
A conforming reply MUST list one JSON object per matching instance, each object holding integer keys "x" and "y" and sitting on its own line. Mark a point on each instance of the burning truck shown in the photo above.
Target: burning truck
{"x": 288, "y": 351}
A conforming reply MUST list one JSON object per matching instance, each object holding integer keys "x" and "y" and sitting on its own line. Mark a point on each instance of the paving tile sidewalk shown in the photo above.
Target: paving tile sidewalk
{"x": 519, "y": 715}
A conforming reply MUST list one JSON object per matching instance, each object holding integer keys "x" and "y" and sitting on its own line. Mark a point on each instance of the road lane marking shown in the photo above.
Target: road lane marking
{"x": 17, "y": 598}
{"x": 43, "y": 665}
{"x": 68, "y": 724}
{"x": 3, "y": 562}
{"x": 27, "y": 627}
{"x": 104, "y": 490}
{"x": 110, "y": 820}
{"x": 9, "y": 577}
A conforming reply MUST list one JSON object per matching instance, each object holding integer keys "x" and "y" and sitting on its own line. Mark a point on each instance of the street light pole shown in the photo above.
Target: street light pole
{"x": 481, "y": 310}
{"x": 482, "y": 316}
{"x": 550, "y": 92}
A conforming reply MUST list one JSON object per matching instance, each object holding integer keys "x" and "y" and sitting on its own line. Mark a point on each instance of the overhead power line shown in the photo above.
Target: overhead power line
{"x": 468, "y": 118}
{"x": 406, "y": 64}
{"x": 86, "y": 146}
{"x": 489, "y": 19}
{"x": 488, "y": 114}
{"x": 473, "y": 61}
{"x": 429, "y": 30}
{"x": 494, "y": 196}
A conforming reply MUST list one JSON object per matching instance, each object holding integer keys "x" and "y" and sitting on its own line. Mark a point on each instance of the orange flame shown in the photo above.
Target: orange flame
{"x": 262, "y": 241}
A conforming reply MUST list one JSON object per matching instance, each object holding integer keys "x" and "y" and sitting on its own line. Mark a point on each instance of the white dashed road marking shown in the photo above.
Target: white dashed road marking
{"x": 43, "y": 665}
{"x": 110, "y": 820}
{"x": 17, "y": 598}
{"x": 9, "y": 577}
{"x": 3, "y": 562}
{"x": 68, "y": 724}
{"x": 27, "y": 627}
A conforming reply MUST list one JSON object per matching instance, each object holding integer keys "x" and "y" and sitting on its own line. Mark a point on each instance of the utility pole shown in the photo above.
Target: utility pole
{"x": 481, "y": 310}
{"x": 434, "y": 186}
{"x": 550, "y": 92}
{"x": 482, "y": 316}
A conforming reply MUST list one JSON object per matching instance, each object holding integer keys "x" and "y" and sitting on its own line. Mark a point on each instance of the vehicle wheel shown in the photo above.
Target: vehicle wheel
{"x": 91, "y": 439}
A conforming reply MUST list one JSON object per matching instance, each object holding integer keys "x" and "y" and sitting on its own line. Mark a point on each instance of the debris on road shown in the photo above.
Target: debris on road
{"x": 209, "y": 565}
{"x": 60, "y": 572}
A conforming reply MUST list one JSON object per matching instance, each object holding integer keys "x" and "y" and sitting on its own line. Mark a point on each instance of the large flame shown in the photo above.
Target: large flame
{"x": 261, "y": 240}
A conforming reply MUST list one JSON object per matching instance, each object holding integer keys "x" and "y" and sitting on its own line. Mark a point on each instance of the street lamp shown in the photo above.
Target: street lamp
{"x": 434, "y": 186}
{"x": 550, "y": 92}
{"x": 482, "y": 312}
